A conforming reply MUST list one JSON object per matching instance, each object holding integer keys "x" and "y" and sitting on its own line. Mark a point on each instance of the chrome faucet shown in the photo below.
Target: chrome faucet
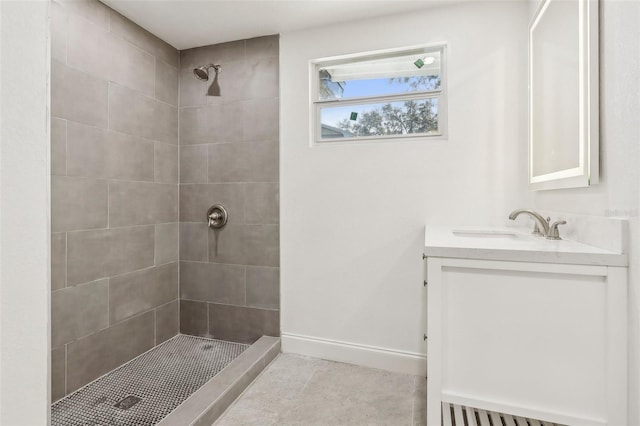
{"x": 542, "y": 224}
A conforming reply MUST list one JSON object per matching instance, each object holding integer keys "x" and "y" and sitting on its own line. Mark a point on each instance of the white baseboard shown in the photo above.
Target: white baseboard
{"x": 353, "y": 353}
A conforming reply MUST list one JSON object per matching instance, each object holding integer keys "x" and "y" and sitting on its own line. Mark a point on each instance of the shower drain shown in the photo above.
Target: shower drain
{"x": 127, "y": 402}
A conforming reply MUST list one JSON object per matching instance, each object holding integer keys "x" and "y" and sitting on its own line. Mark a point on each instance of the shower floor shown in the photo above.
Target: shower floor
{"x": 156, "y": 383}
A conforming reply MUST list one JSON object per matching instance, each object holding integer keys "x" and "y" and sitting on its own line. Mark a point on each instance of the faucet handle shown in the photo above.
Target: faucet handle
{"x": 553, "y": 230}
{"x": 537, "y": 230}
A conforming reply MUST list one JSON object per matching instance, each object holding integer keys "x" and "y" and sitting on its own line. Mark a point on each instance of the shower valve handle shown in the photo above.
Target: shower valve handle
{"x": 217, "y": 216}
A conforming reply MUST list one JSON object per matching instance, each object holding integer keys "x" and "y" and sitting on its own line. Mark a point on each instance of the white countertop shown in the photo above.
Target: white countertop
{"x": 513, "y": 244}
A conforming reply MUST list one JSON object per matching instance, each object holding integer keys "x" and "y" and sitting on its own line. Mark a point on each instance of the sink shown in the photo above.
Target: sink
{"x": 512, "y": 244}
{"x": 483, "y": 233}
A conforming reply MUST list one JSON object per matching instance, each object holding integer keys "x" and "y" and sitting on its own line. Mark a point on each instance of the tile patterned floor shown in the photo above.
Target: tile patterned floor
{"x": 161, "y": 379}
{"x": 295, "y": 390}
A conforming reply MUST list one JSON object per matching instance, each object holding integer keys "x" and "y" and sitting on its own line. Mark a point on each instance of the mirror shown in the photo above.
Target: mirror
{"x": 563, "y": 95}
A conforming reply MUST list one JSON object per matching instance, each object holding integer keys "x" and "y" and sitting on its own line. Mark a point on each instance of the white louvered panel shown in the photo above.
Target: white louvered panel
{"x": 495, "y": 418}
{"x": 521, "y": 421}
{"x": 508, "y": 420}
{"x": 457, "y": 414}
{"x": 471, "y": 416}
{"x": 446, "y": 414}
{"x": 484, "y": 418}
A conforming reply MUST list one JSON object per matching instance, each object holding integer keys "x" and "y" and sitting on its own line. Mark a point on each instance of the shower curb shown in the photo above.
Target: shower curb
{"x": 206, "y": 404}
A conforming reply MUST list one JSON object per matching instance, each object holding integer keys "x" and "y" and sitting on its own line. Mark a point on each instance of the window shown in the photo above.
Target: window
{"x": 393, "y": 94}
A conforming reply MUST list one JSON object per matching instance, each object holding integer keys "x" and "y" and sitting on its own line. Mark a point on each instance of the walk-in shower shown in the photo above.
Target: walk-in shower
{"x": 152, "y": 312}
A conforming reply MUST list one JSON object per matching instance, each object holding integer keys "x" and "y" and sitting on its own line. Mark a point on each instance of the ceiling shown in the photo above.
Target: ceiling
{"x": 193, "y": 23}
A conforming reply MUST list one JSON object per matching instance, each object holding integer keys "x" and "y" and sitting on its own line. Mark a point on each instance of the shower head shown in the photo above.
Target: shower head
{"x": 203, "y": 72}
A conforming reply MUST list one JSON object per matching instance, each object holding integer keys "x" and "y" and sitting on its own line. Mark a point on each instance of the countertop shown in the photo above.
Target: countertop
{"x": 513, "y": 244}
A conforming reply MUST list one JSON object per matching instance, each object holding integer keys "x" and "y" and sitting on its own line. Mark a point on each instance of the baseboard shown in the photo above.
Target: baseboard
{"x": 353, "y": 353}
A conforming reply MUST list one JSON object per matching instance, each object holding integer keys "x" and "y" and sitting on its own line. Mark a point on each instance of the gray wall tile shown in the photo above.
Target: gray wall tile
{"x": 261, "y": 119}
{"x": 263, "y": 161}
{"x": 106, "y": 154}
{"x": 132, "y": 67}
{"x": 133, "y": 113}
{"x": 228, "y": 245}
{"x": 228, "y": 162}
{"x": 263, "y": 287}
{"x": 141, "y": 203}
{"x": 166, "y": 163}
{"x": 58, "y": 372}
{"x": 94, "y": 355}
{"x": 195, "y": 200}
{"x": 92, "y": 10}
{"x": 262, "y": 203}
{"x": 167, "y": 321}
{"x": 245, "y": 244}
{"x": 140, "y": 37}
{"x": 78, "y": 96}
{"x": 194, "y": 237}
{"x": 260, "y": 47}
{"x": 242, "y": 324}
{"x": 239, "y": 131}
{"x": 212, "y": 124}
{"x": 129, "y": 157}
{"x": 167, "y": 242}
{"x": 193, "y": 91}
{"x": 166, "y": 82}
{"x": 58, "y": 146}
{"x": 167, "y": 53}
{"x": 193, "y": 164}
{"x": 136, "y": 292}
{"x": 89, "y": 47}
{"x": 217, "y": 53}
{"x": 58, "y": 260}
{"x": 105, "y": 64}
{"x": 263, "y": 245}
{"x": 193, "y": 318}
{"x": 102, "y": 54}
{"x": 133, "y": 33}
{"x": 102, "y": 253}
{"x": 78, "y": 203}
{"x": 262, "y": 80}
{"x": 78, "y": 311}
{"x": 244, "y": 162}
{"x": 212, "y": 282}
{"x": 87, "y": 151}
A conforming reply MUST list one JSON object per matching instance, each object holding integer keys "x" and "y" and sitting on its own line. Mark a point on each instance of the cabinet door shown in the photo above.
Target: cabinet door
{"x": 521, "y": 337}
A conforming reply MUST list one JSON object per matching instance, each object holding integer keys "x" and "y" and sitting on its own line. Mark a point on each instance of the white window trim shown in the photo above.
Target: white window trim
{"x": 316, "y": 104}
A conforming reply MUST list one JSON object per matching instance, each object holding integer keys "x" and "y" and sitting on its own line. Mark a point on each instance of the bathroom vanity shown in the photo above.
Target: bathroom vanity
{"x": 527, "y": 326}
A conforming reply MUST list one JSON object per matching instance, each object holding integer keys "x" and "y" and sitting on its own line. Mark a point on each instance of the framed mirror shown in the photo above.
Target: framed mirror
{"x": 563, "y": 95}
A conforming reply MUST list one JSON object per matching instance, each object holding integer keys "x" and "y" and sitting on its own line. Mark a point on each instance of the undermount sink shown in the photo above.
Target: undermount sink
{"x": 483, "y": 233}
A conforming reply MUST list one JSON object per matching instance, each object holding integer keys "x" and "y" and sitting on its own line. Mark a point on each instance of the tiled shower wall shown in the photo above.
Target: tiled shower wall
{"x": 229, "y": 278}
{"x": 114, "y": 162}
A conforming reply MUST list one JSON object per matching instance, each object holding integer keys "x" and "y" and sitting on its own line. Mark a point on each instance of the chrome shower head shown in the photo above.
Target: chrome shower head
{"x": 202, "y": 72}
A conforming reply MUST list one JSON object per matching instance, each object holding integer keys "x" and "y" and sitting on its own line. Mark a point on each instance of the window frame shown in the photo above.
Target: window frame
{"x": 317, "y": 105}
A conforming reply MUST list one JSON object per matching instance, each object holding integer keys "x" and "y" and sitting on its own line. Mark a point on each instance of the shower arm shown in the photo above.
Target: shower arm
{"x": 217, "y": 68}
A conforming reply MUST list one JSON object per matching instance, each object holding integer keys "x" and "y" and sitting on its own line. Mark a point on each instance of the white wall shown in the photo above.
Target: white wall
{"x": 618, "y": 194}
{"x": 24, "y": 213}
{"x": 353, "y": 216}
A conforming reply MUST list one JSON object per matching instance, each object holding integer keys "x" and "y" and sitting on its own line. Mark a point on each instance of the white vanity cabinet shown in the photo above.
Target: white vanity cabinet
{"x": 543, "y": 339}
